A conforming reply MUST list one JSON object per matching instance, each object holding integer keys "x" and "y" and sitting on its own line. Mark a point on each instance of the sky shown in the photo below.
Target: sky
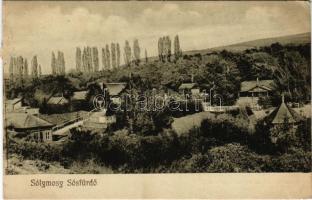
{"x": 38, "y": 28}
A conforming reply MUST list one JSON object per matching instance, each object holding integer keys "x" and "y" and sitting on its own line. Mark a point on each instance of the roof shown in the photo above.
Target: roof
{"x": 57, "y": 100}
{"x": 187, "y": 86}
{"x": 115, "y": 88}
{"x": 26, "y": 121}
{"x": 13, "y": 101}
{"x": 80, "y": 95}
{"x": 283, "y": 112}
{"x": 257, "y": 86}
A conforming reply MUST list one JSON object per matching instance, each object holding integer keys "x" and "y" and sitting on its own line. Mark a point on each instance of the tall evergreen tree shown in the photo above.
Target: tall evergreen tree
{"x": 20, "y": 65}
{"x": 167, "y": 44}
{"x": 113, "y": 53}
{"x": 84, "y": 60}
{"x": 78, "y": 59}
{"x": 177, "y": 49}
{"x": 25, "y": 69}
{"x": 108, "y": 57}
{"x": 53, "y": 64}
{"x": 127, "y": 54}
{"x": 62, "y": 63}
{"x": 118, "y": 54}
{"x": 95, "y": 58}
{"x": 34, "y": 67}
{"x": 39, "y": 71}
{"x": 104, "y": 62}
{"x": 90, "y": 64}
{"x": 146, "y": 59}
{"x": 11, "y": 70}
{"x": 136, "y": 51}
{"x": 161, "y": 49}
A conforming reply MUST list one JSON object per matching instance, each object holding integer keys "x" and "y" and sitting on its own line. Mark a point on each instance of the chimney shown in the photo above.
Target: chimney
{"x": 192, "y": 78}
{"x": 257, "y": 81}
{"x": 283, "y": 98}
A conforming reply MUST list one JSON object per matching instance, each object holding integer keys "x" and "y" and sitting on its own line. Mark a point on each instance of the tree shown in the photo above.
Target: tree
{"x": 25, "y": 69}
{"x": 167, "y": 45}
{"x": 160, "y": 49}
{"x": 34, "y": 67}
{"x": 177, "y": 50}
{"x": 53, "y": 64}
{"x": 146, "y": 59}
{"x": 89, "y": 60}
{"x": 118, "y": 54}
{"x": 11, "y": 70}
{"x": 113, "y": 52}
{"x": 84, "y": 59}
{"x": 107, "y": 56}
{"x": 104, "y": 62}
{"x": 127, "y": 54}
{"x": 136, "y": 51}
{"x": 78, "y": 59}
{"x": 39, "y": 71}
{"x": 20, "y": 65}
{"x": 95, "y": 58}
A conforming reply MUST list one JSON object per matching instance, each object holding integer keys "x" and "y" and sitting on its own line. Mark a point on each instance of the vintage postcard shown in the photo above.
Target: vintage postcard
{"x": 153, "y": 99}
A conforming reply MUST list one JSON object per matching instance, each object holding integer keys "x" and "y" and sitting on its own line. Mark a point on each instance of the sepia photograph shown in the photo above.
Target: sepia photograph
{"x": 102, "y": 87}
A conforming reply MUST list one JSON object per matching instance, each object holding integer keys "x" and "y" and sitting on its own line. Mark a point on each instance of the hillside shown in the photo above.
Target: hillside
{"x": 289, "y": 39}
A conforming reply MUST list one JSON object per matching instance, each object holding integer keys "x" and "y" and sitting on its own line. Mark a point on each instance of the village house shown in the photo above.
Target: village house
{"x": 58, "y": 104}
{"x": 250, "y": 92}
{"x": 13, "y": 104}
{"x": 27, "y": 125}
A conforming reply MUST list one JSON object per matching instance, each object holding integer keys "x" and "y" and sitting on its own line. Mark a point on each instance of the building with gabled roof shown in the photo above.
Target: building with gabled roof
{"x": 57, "y": 101}
{"x": 115, "y": 89}
{"x": 256, "y": 88}
{"x": 13, "y": 104}
{"x": 80, "y": 95}
{"x": 24, "y": 124}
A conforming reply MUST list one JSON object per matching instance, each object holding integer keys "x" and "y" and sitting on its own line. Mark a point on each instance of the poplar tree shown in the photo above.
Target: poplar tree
{"x": 95, "y": 59}
{"x": 146, "y": 59}
{"x": 62, "y": 63}
{"x": 136, "y": 51}
{"x": 11, "y": 70}
{"x": 118, "y": 55}
{"x": 84, "y": 60}
{"x": 34, "y": 67}
{"x": 107, "y": 56}
{"x": 113, "y": 53}
{"x": 20, "y": 61}
{"x": 161, "y": 49}
{"x": 104, "y": 62}
{"x": 127, "y": 54}
{"x": 167, "y": 45}
{"x": 25, "y": 69}
{"x": 78, "y": 59}
{"x": 177, "y": 49}
{"x": 53, "y": 64}
{"x": 39, "y": 71}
